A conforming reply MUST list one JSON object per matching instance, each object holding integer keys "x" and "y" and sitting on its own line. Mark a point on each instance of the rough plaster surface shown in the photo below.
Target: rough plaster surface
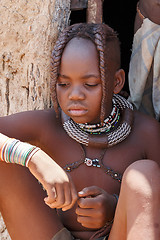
{"x": 28, "y": 30}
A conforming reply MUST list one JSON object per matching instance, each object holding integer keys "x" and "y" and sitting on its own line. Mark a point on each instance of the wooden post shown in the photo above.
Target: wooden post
{"x": 95, "y": 11}
{"x": 78, "y": 4}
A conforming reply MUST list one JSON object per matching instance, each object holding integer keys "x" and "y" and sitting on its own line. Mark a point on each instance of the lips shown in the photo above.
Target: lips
{"x": 77, "y": 111}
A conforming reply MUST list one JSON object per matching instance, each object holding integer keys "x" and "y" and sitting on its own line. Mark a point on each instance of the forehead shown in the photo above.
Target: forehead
{"x": 80, "y": 47}
{"x": 79, "y": 43}
{"x": 81, "y": 53}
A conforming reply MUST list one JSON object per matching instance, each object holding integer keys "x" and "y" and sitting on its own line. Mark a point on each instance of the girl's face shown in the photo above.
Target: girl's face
{"x": 79, "y": 89}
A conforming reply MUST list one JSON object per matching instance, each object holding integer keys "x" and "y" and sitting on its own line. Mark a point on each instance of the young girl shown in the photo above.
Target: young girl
{"x": 94, "y": 135}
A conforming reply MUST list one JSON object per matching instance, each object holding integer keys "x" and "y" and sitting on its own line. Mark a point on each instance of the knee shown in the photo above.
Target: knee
{"x": 142, "y": 178}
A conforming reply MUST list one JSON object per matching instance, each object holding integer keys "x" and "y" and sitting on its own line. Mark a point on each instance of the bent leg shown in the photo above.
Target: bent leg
{"x": 22, "y": 205}
{"x": 138, "y": 215}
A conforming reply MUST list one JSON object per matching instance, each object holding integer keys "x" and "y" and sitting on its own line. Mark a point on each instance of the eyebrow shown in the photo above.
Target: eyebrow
{"x": 84, "y": 77}
{"x": 90, "y": 76}
{"x": 63, "y": 76}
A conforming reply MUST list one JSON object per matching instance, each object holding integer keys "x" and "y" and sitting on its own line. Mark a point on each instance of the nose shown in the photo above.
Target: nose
{"x": 76, "y": 93}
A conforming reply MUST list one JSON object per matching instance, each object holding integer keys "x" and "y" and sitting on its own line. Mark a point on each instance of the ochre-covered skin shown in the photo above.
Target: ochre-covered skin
{"x": 79, "y": 91}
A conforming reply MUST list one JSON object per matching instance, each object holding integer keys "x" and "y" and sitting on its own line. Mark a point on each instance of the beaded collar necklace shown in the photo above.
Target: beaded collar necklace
{"x": 82, "y": 134}
{"x": 107, "y": 137}
{"x": 106, "y": 126}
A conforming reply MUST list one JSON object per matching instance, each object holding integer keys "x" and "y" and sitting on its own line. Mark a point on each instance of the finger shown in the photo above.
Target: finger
{"x": 93, "y": 214}
{"x": 68, "y": 197}
{"x": 90, "y": 191}
{"x": 60, "y": 199}
{"x": 51, "y": 195}
{"x": 87, "y": 212}
{"x": 88, "y": 222}
{"x": 64, "y": 197}
{"x": 87, "y": 202}
{"x": 74, "y": 196}
{"x": 74, "y": 193}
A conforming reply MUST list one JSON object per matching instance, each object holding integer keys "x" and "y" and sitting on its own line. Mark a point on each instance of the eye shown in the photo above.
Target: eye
{"x": 91, "y": 84}
{"x": 63, "y": 84}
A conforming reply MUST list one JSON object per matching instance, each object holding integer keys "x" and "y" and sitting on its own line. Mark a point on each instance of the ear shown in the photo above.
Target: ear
{"x": 119, "y": 81}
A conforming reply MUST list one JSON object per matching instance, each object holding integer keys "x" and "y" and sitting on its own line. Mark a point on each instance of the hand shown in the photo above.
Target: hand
{"x": 59, "y": 186}
{"x": 95, "y": 207}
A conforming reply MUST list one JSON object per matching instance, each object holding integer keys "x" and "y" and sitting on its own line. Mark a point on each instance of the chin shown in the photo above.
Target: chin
{"x": 85, "y": 120}
{"x": 78, "y": 120}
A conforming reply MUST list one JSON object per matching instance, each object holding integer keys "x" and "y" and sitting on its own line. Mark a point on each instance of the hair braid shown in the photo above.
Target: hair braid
{"x": 55, "y": 64}
{"x": 63, "y": 39}
{"x": 99, "y": 41}
{"x": 100, "y": 35}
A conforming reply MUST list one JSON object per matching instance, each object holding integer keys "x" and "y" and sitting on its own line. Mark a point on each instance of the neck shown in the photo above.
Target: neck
{"x": 107, "y": 138}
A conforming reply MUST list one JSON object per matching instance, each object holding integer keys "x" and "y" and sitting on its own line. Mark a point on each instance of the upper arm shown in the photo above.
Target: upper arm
{"x": 25, "y": 126}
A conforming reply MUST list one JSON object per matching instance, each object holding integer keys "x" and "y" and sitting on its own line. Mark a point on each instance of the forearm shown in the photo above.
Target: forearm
{"x": 15, "y": 151}
{"x": 25, "y": 154}
{"x": 53, "y": 178}
{"x": 3, "y": 138}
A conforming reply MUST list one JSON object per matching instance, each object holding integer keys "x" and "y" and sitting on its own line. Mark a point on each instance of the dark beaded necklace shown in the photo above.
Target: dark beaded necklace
{"x": 93, "y": 163}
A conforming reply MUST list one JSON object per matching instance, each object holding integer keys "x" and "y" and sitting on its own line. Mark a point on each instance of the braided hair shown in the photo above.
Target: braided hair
{"x": 100, "y": 35}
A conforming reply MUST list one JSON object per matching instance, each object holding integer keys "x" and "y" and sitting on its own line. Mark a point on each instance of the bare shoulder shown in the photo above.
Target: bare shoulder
{"x": 146, "y": 123}
{"x": 27, "y": 125}
{"x": 147, "y": 132}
